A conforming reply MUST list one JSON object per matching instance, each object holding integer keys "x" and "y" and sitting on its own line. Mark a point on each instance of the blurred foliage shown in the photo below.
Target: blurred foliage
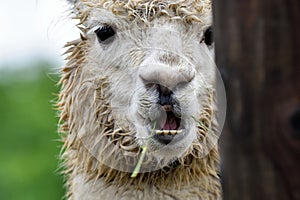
{"x": 29, "y": 145}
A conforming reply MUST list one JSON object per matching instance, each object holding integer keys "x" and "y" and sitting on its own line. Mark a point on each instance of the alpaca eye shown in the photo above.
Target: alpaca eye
{"x": 208, "y": 37}
{"x": 105, "y": 34}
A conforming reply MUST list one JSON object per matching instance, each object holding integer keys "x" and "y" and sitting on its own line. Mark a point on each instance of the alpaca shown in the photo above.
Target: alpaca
{"x": 140, "y": 81}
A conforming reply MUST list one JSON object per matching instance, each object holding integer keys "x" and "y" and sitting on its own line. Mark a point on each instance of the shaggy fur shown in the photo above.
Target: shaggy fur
{"x": 102, "y": 93}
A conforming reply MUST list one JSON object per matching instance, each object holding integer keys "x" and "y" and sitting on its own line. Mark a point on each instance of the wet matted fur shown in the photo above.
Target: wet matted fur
{"x": 102, "y": 92}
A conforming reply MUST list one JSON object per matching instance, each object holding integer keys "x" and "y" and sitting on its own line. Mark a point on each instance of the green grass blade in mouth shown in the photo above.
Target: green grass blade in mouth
{"x": 144, "y": 150}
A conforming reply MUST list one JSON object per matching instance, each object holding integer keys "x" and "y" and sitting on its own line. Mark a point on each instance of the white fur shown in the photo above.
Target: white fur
{"x": 165, "y": 48}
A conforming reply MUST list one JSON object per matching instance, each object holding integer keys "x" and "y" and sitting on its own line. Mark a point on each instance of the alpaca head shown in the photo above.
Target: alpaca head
{"x": 141, "y": 74}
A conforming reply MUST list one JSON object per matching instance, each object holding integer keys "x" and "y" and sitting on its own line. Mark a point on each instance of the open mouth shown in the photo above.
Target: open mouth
{"x": 168, "y": 124}
{"x": 168, "y": 128}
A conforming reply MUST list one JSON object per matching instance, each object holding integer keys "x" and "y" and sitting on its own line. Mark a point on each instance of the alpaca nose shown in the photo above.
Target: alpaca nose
{"x": 168, "y": 78}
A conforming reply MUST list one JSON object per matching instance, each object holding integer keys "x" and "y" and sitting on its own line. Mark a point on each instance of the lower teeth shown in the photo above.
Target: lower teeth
{"x": 166, "y": 132}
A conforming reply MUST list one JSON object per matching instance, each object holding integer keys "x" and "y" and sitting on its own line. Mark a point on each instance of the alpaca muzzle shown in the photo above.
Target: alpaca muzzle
{"x": 169, "y": 120}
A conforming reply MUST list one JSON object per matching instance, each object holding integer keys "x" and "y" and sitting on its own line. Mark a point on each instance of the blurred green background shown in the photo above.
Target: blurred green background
{"x": 31, "y": 46}
{"x": 29, "y": 142}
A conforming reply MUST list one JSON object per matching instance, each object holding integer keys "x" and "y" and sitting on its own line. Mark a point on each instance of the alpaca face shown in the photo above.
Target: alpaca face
{"x": 160, "y": 74}
{"x": 142, "y": 74}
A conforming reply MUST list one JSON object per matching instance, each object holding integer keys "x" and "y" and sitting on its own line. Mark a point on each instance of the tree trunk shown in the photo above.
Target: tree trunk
{"x": 256, "y": 50}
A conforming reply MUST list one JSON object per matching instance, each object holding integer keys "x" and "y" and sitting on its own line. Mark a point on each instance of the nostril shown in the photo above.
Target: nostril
{"x": 150, "y": 86}
{"x": 164, "y": 90}
{"x": 165, "y": 97}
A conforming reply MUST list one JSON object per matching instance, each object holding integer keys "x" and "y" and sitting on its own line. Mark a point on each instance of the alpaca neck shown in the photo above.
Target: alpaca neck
{"x": 200, "y": 180}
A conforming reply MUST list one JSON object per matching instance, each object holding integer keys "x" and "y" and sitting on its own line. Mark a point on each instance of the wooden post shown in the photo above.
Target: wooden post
{"x": 257, "y": 51}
